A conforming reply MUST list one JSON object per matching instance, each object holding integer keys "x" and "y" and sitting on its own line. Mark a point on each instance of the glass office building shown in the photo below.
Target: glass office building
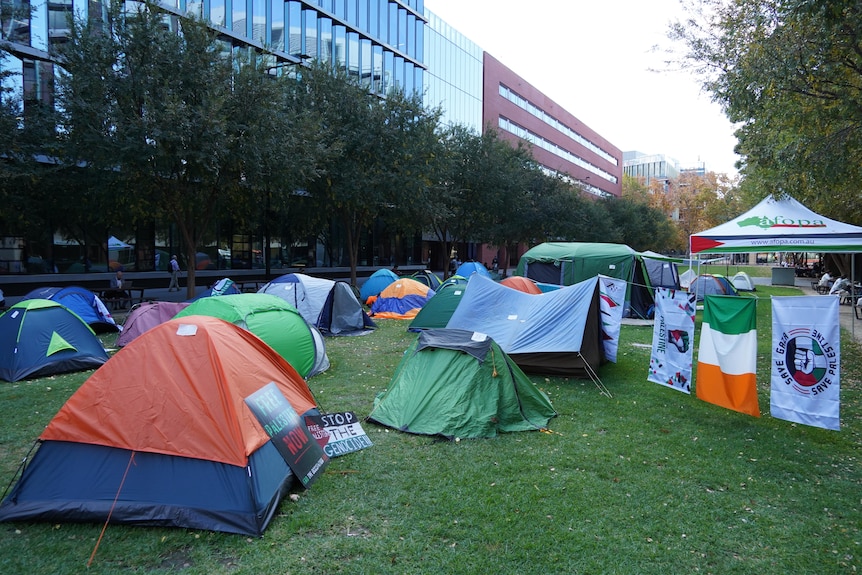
{"x": 379, "y": 42}
{"x": 649, "y": 167}
{"x": 384, "y": 44}
{"x": 453, "y": 79}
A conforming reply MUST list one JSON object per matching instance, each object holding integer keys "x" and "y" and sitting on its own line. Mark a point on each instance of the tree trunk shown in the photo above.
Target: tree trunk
{"x": 191, "y": 254}
{"x": 352, "y": 249}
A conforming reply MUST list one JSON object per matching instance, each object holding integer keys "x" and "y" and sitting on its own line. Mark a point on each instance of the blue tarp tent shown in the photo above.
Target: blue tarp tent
{"x": 556, "y": 333}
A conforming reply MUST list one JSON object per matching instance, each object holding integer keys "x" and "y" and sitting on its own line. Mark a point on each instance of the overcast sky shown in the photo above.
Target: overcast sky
{"x": 594, "y": 59}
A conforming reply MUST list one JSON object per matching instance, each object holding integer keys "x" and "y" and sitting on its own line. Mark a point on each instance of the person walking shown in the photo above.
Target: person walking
{"x": 175, "y": 272}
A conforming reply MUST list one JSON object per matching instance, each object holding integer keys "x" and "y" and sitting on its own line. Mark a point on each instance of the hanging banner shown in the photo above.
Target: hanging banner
{"x": 612, "y": 292}
{"x": 727, "y": 356}
{"x": 806, "y": 359}
{"x": 673, "y": 338}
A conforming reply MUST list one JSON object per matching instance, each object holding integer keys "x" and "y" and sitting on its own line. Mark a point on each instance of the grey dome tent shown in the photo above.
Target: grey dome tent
{"x": 328, "y": 305}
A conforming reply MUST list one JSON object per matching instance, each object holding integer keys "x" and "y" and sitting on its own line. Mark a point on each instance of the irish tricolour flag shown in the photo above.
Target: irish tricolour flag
{"x": 727, "y": 356}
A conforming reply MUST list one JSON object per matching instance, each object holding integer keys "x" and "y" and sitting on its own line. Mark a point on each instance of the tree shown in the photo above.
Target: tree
{"x": 380, "y": 153}
{"x": 483, "y": 189}
{"x": 632, "y": 221}
{"x": 27, "y": 134}
{"x": 790, "y": 73}
{"x": 277, "y": 149}
{"x": 151, "y": 103}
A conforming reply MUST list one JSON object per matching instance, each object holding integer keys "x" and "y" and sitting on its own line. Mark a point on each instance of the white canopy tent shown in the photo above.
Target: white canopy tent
{"x": 779, "y": 224}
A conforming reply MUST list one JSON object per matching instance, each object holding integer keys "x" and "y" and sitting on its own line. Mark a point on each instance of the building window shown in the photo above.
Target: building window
{"x": 15, "y": 21}
{"x": 339, "y": 40}
{"x": 59, "y": 21}
{"x": 353, "y": 54}
{"x": 277, "y": 19}
{"x": 310, "y": 27}
{"x": 239, "y": 17}
{"x": 258, "y": 21}
{"x": 326, "y": 43}
{"x": 365, "y": 62}
{"x": 294, "y": 28}
{"x": 217, "y": 12}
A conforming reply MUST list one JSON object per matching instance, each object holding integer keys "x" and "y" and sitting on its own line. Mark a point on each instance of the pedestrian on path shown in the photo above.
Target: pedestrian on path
{"x": 175, "y": 272}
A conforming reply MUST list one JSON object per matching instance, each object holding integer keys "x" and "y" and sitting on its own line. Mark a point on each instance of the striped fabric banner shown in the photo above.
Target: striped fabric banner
{"x": 806, "y": 360}
{"x": 727, "y": 355}
{"x": 613, "y": 299}
{"x": 673, "y": 339}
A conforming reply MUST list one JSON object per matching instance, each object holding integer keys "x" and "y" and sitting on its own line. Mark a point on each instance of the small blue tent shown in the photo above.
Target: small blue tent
{"x": 83, "y": 302}
{"x": 376, "y": 283}
{"x": 40, "y": 337}
{"x": 469, "y": 268}
{"x": 224, "y": 286}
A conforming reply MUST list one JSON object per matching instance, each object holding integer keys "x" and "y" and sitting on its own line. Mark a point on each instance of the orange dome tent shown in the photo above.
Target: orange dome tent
{"x": 521, "y": 283}
{"x": 402, "y": 299}
{"x": 164, "y": 429}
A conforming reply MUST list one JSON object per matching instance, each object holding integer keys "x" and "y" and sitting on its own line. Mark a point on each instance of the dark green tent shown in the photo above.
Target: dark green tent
{"x": 567, "y": 263}
{"x": 458, "y": 383}
{"x": 437, "y": 310}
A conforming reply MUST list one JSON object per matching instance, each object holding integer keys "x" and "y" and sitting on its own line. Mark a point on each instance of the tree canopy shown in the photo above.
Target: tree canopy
{"x": 158, "y": 119}
{"x": 789, "y": 72}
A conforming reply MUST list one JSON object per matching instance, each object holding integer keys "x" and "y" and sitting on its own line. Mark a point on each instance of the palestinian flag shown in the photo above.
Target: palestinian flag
{"x": 727, "y": 356}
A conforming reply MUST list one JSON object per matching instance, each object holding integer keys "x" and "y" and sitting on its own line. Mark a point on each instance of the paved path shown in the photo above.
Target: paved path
{"x": 846, "y": 317}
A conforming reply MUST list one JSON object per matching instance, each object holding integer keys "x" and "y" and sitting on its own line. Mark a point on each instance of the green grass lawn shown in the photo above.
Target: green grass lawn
{"x": 650, "y": 481}
{"x": 729, "y": 270}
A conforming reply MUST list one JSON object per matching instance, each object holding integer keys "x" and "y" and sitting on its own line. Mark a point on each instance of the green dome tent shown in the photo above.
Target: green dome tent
{"x": 458, "y": 383}
{"x": 274, "y": 321}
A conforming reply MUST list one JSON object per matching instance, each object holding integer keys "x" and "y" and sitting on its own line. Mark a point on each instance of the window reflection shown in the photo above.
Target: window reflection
{"x": 217, "y": 12}
{"x": 377, "y": 70}
{"x": 239, "y": 18}
{"x": 294, "y": 28}
{"x": 15, "y": 21}
{"x": 310, "y": 41}
{"x": 339, "y": 35}
{"x": 402, "y": 29}
{"x": 326, "y": 42}
{"x": 353, "y": 54}
{"x": 277, "y": 30}
{"x": 258, "y": 22}
{"x": 59, "y": 14}
{"x": 365, "y": 62}
{"x": 388, "y": 71}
